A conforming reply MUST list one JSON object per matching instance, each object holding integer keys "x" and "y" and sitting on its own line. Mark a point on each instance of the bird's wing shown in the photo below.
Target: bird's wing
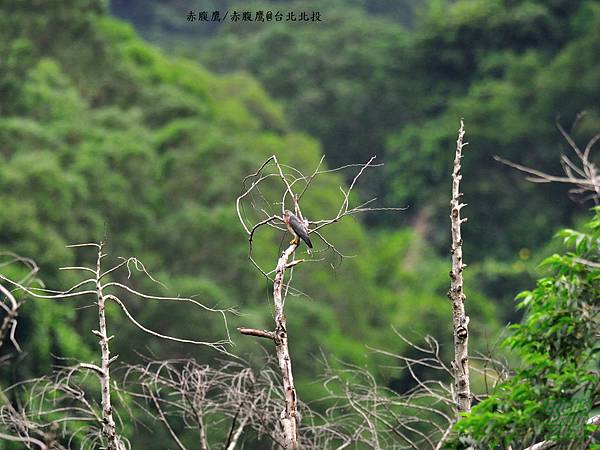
{"x": 300, "y": 229}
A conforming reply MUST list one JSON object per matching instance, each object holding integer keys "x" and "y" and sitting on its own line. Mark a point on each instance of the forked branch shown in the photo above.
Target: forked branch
{"x": 99, "y": 284}
{"x": 291, "y": 179}
{"x": 584, "y": 176}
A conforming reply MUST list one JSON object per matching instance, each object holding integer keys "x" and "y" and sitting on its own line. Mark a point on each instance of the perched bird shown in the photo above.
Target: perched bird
{"x": 297, "y": 228}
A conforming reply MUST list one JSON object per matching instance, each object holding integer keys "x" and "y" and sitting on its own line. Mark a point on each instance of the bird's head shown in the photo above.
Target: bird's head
{"x": 287, "y": 214}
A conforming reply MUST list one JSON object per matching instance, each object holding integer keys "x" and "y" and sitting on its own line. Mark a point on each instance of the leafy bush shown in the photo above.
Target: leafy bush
{"x": 553, "y": 393}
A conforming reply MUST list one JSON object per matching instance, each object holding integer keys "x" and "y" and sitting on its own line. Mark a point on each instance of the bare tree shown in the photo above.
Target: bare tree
{"x": 424, "y": 416}
{"x": 55, "y": 412}
{"x": 420, "y": 418}
{"x": 460, "y": 320}
{"x": 9, "y": 323}
{"x": 100, "y": 284}
{"x": 584, "y": 176}
{"x": 231, "y": 397}
{"x": 358, "y": 411}
{"x": 294, "y": 185}
{"x": 202, "y": 397}
{"x": 585, "y": 179}
{"x": 22, "y": 430}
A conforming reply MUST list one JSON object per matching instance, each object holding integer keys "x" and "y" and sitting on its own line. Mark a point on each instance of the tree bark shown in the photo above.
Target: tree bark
{"x": 289, "y": 416}
{"x": 108, "y": 421}
{"x": 462, "y": 390}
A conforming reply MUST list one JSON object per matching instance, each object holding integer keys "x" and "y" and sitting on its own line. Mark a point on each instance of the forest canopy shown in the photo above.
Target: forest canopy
{"x": 145, "y": 146}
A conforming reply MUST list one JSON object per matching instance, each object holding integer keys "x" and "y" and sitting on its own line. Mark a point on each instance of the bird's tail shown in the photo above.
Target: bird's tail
{"x": 307, "y": 240}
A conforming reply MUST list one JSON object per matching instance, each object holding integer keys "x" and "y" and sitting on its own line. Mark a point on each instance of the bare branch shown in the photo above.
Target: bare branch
{"x": 9, "y": 323}
{"x": 257, "y": 333}
{"x": 100, "y": 429}
{"x": 545, "y": 445}
{"x": 291, "y": 178}
{"x": 585, "y": 177}
{"x": 218, "y": 345}
{"x": 24, "y": 440}
{"x": 166, "y": 422}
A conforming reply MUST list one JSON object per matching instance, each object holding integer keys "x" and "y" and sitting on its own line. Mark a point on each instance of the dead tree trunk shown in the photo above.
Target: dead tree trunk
{"x": 288, "y": 419}
{"x": 71, "y": 381}
{"x": 108, "y": 421}
{"x": 460, "y": 320}
{"x": 300, "y": 229}
{"x": 289, "y": 416}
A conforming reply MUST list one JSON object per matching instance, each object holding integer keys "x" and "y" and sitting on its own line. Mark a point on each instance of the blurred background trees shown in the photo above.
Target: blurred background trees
{"x": 105, "y": 137}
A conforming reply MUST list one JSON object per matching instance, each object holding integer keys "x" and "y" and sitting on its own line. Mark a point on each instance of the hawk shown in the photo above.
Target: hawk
{"x": 297, "y": 228}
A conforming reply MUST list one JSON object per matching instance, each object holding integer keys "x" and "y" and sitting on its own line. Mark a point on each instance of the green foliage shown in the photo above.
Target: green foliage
{"x": 108, "y": 139}
{"x": 328, "y": 75}
{"x": 104, "y": 137}
{"x": 558, "y": 345}
{"x": 510, "y": 87}
{"x": 164, "y": 23}
{"x": 370, "y": 87}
